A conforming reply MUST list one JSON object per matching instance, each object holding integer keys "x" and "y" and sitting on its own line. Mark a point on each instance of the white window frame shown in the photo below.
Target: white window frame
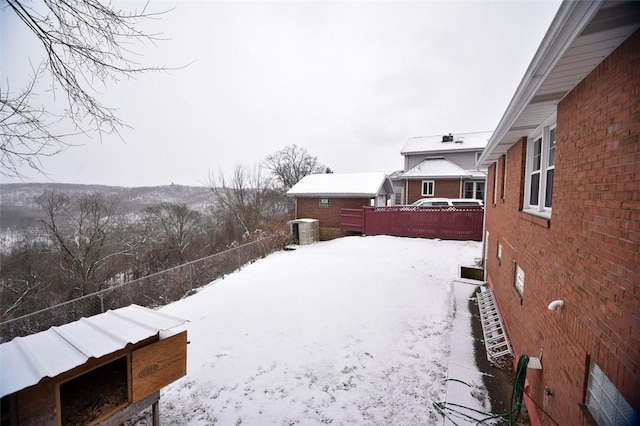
{"x": 433, "y": 188}
{"x": 607, "y": 406}
{"x": 495, "y": 182}
{"x": 519, "y": 280}
{"x": 503, "y": 196}
{"x": 475, "y": 189}
{"x": 398, "y": 192}
{"x": 542, "y": 134}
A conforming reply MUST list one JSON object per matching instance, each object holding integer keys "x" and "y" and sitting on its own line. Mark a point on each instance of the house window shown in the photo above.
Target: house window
{"x": 495, "y": 183}
{"x": 503, "y": 177}
{"x": 519, "y": 280}
{"x": 428, "y": 187}
{"x": 541, "y": 156}
{"x": 398, "y": 196}
{"x": 606, "y": 404}
{"x": 474, "y": 190}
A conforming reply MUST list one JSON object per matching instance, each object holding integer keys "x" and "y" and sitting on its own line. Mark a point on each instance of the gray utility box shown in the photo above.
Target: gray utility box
{"x": 305, "y": 231}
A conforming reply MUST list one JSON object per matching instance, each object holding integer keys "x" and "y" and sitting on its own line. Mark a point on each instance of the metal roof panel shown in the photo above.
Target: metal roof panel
{"x": 24, "y": 361}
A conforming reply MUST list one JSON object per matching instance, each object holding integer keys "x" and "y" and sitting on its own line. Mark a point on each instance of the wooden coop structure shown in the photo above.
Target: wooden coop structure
{"x": 100, "y": 370}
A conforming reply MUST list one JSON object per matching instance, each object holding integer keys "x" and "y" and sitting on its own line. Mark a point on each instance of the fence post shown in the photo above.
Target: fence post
{"x": 101, "y": 304}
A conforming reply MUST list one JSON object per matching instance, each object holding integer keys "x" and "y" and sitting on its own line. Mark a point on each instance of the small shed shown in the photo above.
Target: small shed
{"x": 99, "y": 370}
{"x": 323, "y": 196}
{"x": 304, "y": 231}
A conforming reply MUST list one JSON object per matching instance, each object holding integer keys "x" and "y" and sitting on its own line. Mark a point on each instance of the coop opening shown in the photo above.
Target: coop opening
{"x": 95, "y": 394}
{"x": 295, "y": 231}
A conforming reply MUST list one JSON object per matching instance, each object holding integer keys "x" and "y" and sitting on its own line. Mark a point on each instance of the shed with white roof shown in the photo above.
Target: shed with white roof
{"x": 323, "y": 196}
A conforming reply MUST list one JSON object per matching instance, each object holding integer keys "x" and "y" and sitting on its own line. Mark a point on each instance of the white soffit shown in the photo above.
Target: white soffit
{"x": 581, "y": 36}
{"x": 24, "y": 361}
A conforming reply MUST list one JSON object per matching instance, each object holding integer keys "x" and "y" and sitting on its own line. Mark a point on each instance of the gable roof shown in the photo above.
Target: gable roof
{"x": 581, "y": 36}
{"x": 342, "y": 185}
{"x": 439, "y": 168}
{"x": 434, "y": 144}
{"x": 27, "y": 360}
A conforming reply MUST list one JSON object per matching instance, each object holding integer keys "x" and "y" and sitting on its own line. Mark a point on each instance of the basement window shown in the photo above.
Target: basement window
{"x": 519, "y": 282}
{"x": 606, "y": 404}
{"x": 94, "y": 395}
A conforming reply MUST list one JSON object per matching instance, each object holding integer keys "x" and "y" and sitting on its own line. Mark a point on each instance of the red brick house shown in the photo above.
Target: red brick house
{"x": 323, "y": 196}
{"x": 441, "y": 166}
{"x": 563, "y": 217}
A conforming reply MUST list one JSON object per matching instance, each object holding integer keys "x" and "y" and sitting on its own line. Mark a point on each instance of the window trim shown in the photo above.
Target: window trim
{"x": 503, "y": 193}
{"x": 474, "y": 189}
{"x": 542, "y": 133}
{"x": 495, "y": 183}
{"x": 433, "y": 188}
{"x": 398, "y": 191}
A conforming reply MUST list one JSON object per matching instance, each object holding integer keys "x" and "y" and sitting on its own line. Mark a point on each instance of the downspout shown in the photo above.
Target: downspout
{"x": 406, "y": 191}
{"x": 460, "y": 188}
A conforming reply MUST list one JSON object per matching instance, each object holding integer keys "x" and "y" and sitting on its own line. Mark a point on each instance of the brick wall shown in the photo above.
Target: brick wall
{"x": 588, "y": 254}
{"x": 449, "y": 188}
{"x": 328, "y": 218}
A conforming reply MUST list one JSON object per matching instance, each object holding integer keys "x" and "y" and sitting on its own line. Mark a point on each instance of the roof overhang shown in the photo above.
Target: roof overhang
{"x": 27, "y": 360}
{"x": 581, "y": 36}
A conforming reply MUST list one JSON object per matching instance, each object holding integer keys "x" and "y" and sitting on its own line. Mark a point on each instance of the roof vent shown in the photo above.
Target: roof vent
{"x": 447, "y": 138}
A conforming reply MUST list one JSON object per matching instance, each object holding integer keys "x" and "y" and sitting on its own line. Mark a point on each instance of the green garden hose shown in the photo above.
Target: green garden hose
{"x": 451, "y": 410}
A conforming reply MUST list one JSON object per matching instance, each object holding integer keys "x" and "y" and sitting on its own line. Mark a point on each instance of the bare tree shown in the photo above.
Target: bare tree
{"x": 248, "y": 197}
{"x": 85, "y": 42}
{"x": 80, "y": 228}
{"x": 20, "y": 283}
{"x": 29, "y": 277}
{"x": 291, "y": 164}
{"x": 177, "y": 224}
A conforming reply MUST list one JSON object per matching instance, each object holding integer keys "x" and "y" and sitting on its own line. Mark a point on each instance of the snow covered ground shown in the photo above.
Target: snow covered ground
{"x": 358, "y": 330}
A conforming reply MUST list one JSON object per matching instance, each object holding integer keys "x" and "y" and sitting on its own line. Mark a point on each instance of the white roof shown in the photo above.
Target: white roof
{"x": 27, "y": 360}
{"x": 342, "y": 185}
{"x": 440, "y": 168}
{"x": 461, "y": 142}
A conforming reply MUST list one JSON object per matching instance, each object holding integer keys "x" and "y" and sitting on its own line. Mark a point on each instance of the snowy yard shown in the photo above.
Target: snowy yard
{"x": 358, "y": 330}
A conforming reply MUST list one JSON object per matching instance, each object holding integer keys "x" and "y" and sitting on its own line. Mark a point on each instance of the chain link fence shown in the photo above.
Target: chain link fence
{"x": 151, "y": 291}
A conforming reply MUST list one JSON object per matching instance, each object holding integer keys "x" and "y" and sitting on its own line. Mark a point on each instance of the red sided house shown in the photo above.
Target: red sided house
{"x": 441, "y": 166}
{"x": 323, "y": 196}
{"x": 562, "y": 241}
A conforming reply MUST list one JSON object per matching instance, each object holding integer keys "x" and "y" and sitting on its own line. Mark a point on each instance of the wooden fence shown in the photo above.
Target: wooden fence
{"x": 447, "y": 223}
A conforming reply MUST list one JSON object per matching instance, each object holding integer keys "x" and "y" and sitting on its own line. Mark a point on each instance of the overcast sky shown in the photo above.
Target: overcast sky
{"x": 349, "y": 81}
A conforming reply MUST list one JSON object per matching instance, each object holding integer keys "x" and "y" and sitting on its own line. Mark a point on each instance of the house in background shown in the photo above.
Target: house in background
{"x": 562, "y": 240}
{"x": 323, "y": 196}
{"x": 441, "y": 166}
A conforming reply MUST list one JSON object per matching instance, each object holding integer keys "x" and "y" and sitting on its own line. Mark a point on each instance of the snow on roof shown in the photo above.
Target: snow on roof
{"x": 343, "y": 185}
{"x": 461, "y": 142}
{"x": 27, "y": 360}
{"x": 438, "y": 168}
